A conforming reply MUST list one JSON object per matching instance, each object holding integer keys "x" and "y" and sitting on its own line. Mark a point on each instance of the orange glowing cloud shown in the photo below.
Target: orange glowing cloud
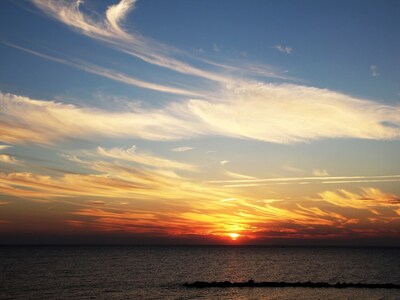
{"x": 115, "y": 196}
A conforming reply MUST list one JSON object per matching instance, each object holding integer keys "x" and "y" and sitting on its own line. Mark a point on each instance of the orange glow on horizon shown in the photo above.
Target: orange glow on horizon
{"x": 234, "y": 236}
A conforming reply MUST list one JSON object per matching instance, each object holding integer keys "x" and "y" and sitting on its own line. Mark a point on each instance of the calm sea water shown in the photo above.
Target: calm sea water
{"x": 139, "y": 272}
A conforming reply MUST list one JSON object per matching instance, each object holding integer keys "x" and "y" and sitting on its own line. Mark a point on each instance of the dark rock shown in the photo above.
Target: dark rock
{"x": 307, "y": 284}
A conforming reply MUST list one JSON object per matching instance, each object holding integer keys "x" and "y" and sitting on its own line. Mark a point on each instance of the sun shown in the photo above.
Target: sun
{"x": 233, "y": 236}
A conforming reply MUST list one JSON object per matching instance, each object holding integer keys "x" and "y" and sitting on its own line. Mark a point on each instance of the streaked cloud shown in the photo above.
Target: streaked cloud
{"x": 284, "y": 49}
{"x": 133, "y": 155}
{"x": 8, "y": 159}
{"x": 237, "y": 175}
{"x": 320, "y": 172}
{"x": 305, "y": 180}
{"x": 285, "y": 113}
{"x": 110, "y": 30}
{"x": 108, "y": 73}
{"x": 278, "y": 113}
{"x": 292, "y": 169}
{"x": 115, "y": 14}
{"x": 24, "y": 120}
{"x": 112, "y": 181}
{"x": 224, "y": 162}
{"x": 182, "y": 149}
{"x": 369, "y": 198}
{"x": 3, "y": 147}
{"x": 178, "y": 206}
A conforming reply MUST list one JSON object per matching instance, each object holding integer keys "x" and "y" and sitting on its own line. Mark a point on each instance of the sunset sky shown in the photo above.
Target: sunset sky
{"x": 245, "y": 122}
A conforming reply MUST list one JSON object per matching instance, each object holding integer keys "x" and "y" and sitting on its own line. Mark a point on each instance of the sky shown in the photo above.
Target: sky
{"x": 200, "y": 122}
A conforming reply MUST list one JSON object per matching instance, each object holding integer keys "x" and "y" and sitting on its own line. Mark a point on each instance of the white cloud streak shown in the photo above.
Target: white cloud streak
{"x": 237, "y": 175}
{"x": 182, "y": 149}
{"x": 320, "y": 172}
{"x": 278, "y": 113}
{"x": 23, "y": 120}
{"x": 3, "y": 147}
{"x": 287, "y": 50}
{"x": 8, "y": 159}
{"x": 370, "y": 198}
{"x": 305, "y": 180}
{"x": 117, "y": 13}
{"x": 132, "y": 155}
{"x": 292, "y": 169}
{"x": 110, "y": 74}
{"x": 108, "y": 29}
{"x": 284, "y": 113}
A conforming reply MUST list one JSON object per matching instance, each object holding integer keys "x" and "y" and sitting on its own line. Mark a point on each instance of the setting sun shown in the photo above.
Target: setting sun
{"x": 234, "y": 236}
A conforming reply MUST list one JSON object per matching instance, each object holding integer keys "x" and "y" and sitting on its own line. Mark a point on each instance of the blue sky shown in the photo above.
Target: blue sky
{"x": 286, "y": 112}
{"x": 334, "y": 44}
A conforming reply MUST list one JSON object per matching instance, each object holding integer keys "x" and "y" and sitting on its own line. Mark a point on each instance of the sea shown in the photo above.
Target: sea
{"x": 158, "y": 272}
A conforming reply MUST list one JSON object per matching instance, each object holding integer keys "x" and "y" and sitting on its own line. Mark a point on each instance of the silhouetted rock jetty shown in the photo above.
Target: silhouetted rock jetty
{"x": 308, "y": 284}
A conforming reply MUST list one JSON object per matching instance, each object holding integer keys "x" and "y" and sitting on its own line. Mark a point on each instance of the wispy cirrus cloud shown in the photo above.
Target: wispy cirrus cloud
{"x": 320, "y": 172}
{"x": 8, "y": 159}
{"x": 278, "y": 113}
{"x": 2, "y": 147}
{"x": 284, "y": 49}
{"x": 284, "y": 113}
{"x": 305, "y": 180}
{"x": 24, "y": 120}
{"x": 292, "y": 169}
{"x": 108, "y": 73}
{"x": 108, "y": 181}
{"x": 133, "y": 155}
{"x": 369, "y": 199}
{"x": 237, "y": 175}
{"x": 182, "y": 149}
{"x": 182, "y": 206}
{"x": 109, "y": 29}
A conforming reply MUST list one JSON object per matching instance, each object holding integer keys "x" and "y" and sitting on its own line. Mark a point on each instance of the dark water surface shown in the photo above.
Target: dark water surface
{"x": 152, "y": 272}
